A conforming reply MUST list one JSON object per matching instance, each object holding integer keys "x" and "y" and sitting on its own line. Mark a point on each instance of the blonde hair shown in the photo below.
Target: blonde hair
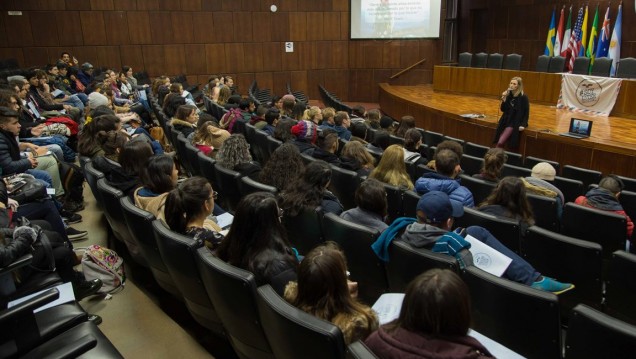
{"x": 355, "y": 150}
{"x": 311, "y": 113}
{"x": 391, "y": 169}
{"x": 519, "y": 90}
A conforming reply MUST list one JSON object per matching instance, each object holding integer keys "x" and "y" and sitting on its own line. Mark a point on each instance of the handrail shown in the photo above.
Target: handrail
{"x": 407, "y": 69}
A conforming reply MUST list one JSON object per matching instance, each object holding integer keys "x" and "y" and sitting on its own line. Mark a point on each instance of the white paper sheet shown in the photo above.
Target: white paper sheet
{"x": 388, "y": 307}
{"x": 487, "y": 258}
{"x": 225, "y": 220}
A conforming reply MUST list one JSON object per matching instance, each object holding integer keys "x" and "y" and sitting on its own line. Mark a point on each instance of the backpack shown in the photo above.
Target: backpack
{"x": 72, "y": 178}
{"x": 229, "y": 120}
{"x": 105, "y": 264}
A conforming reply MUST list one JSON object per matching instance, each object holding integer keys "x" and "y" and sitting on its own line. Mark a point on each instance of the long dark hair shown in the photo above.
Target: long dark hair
{"x": 283, "y": 167}
{"x": 185, "y": 203}
{"x": 256, "y": 230}
{"x": 88, "y": 139}
{"x": 308, "y": 190}
{"x": 511, "y": 194}
{"x": 494, "y": 160}
{"x": 134, "y": 156}
{"x": 157, "y": 174}
{"x": 437, "y": 303}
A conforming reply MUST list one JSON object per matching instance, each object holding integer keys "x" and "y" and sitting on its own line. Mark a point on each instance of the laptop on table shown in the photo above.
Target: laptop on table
{"x": 578, "y": 128}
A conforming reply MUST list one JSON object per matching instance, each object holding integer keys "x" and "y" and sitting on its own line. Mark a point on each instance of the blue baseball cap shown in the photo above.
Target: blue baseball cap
{"x": 438, "y": 207}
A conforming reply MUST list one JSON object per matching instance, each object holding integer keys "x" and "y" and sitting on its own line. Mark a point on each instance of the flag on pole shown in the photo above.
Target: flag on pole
{"x": 549, "y": 42}
{"x": 575, "y": 40}
{"x": 565, "y": 48}
{"x": 559, "y": 34}
{"x": 583, "y": 37}
{"x": 591, "y": 45}
{"x": 603, "y": 39}
{"x": 615, "y": 44}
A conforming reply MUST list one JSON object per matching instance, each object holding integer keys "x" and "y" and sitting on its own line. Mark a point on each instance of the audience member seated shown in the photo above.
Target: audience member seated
{"x": 283, "y": 129}
{"x": 171, "y": 103}
{"x": 123, "y": 169}
{"x": 509, "y": 200}
{"x": 185, "y": 119}
{"x": 327, "y": 146}
{"x": 606, "y": 197}
{"x": 124, "y": 112}
{"x": 406, "y": 123}
{"x": 391, "y": 169}
{"x": 310, "y": 191}
{"x": 355, "y": 158}
{"x": 257, "y": 242}
{"x": 224, "y": 95}
{"x": 446, "y": 145}
{"x": 187, "y": 209}
{"x": 412, "y": 143}
{"x": 209, "y": 138}
{"x": 328, "y": 114}
{"x": 387, "y": 124}
{"x": 259, "y": 121}
{"x": 40, "y": 91}
{"x": 306, "y": 133}
{"x": 234, "y": 155}
{"x": 373, "y": 119}
{"x": 371, "y": 205}
{"x": 284, "y": 167}
{"x": 358, "y": 113}
{"x": 359, "y": 132}
{"x": 431, "y": 229}
{"x": 272, "y": 117}
{"x": 324, "y": 291}
{"x": 88, "y": 144}
{"x": 539, "y": 183}
{"x": 381, "y": 140}
{"x": 342, "y": 123}
{"x": 313, "y": 114}
{"x": 433, "y": 322}
{"x": 494, "y": 160}
{"x": 447, "y": 166}
{"x": 177, "y": 88}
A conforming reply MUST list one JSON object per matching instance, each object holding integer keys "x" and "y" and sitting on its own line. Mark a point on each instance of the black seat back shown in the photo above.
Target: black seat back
{"x": 432, "y": 139}
{"x": 602, "y": 227}
{"x": 344, "y": 184}
{"x": 592, "y": 334}
{"x": 512, "y": 62}
{"x": 515, "y": 171}
{"x": 193, "y": 158}
{"x": 560, "y": 257}
{"x": 183, "y": 154}
{"x": 571, "y": 188}
{"x": 502, "y": 309}
{"x": 621, "y": 286}
{"x": 365, "y": 266}
{"x": 227, "y": 186}
{"x": 545, "y": 211}
{"x": 601, "y": 67}
{"x": 478, "y": 187}
{"x": 495, "y": 61}
{"x": 581, "y": 65}
{"x": 475, "y": 150}
{"x": 304, "y": 230}
{"x": 358, "y": 350}
{"x": 262, "y": 146}
{"x": 542, "y": 63}
{"x": 481, "y": 59}
{"x": 626, "y": 68}
{"x": 409, "y": 203}
{"x": 113, "y": 212}
{"x": 531, "y": 161}
{"x": 233, "y": 292}
{"x": 394, "y": 201}
{"x": 248, "y": 185}
{"x": 506, "y": 230}
{"x": 294, "y": 334}
{"x": 206, "y": 166}
{"x": 557, "y": 64}
{"x": 92, "y": 176}
{"x": 407, "y": 262}
{"x": 628, "y": 202}
{"x": 465, "y": 59}
{"x": 178, "y": 253}
{"x": 587, "y": 176}
{"x": 514, "y": 158}
{"x": 471, "y": 165}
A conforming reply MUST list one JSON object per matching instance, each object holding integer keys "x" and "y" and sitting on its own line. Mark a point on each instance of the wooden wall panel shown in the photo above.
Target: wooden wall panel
{"x": 85, "y": 54}
{"x": 175, "y": 59}
{"x": 234, "y": 57}
{"x": 195, "y": 59}
{"x": 261, "y": 25}
{"x": 148, "y": 5}
{"x": 182, "y": 27}
{"x": 108, "y": 56}
{"x": 67, "y": 30}
{"x": 272, "y": 53}
{"x": 117, "y": 25}
{"x": 154, "y": 58}
{"x": 242, "y": 26}
{"x": 223, "y": 26}
{"x": 77, "y": 5}
{"x": 93, "y": 27}
{"x": 215, "y": 55}
{"x": 44, "y": 31}
{"x": 331, "y": 26}
{"x": 297, "y": 26}
{"x": 18, "y": 30}
{"x": 203, "y": 27}
{"x": 139, "y": 27}
{"x": 161, "y": 27}
{"x": 132, "y": 56}
{"x": 191, "y": 5}
{"x": 35, "y": 56}
{"x": 169, "y": 5}
{"x": 253, "y": 61}
{"x": 315, "y": 26}
{"x": 102, "y": 5}
{"x": 124, "y": 4}
{"x": 12, "y": 53}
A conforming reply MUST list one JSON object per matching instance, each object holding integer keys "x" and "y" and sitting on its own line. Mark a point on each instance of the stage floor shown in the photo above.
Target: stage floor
{"x": 441, "y": 112}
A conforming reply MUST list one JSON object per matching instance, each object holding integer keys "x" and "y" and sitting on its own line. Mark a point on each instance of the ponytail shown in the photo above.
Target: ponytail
{"x": 185, "y": 203}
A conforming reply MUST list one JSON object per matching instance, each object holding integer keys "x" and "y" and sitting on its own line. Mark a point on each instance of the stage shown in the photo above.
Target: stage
{"x": 610, "y": 149}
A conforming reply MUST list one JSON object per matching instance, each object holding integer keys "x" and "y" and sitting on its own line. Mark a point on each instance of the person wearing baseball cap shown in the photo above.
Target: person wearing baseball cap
{"x": 432, "y": 229}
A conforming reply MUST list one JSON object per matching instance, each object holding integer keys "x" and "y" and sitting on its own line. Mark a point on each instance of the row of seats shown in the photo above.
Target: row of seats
{"x": 626, "y": 67}
{"x": 491, "y": 61}
{"x": 329, "y": 99}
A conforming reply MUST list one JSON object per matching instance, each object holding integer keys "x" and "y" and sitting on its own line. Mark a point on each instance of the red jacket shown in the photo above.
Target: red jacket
{"x": 616, "y": 208}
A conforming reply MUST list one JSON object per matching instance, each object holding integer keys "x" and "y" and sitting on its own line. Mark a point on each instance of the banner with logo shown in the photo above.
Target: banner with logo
{"x": 588, "y": 94}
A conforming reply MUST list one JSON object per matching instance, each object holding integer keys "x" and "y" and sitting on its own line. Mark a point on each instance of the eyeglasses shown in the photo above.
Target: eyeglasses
{"x": 215, "y": 195}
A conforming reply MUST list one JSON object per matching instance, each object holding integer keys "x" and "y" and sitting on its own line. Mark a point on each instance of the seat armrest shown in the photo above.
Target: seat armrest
{"x": 28, "y": 306}
{"x": 74, "y": 349}
{"x": 18, "y": 263}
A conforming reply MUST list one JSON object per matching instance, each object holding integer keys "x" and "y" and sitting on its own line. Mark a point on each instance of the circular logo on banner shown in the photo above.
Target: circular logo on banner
{"x": 588, "y": 92}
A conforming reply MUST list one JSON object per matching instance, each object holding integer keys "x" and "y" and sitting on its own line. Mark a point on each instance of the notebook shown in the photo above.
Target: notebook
{"x": 579, "y": 128}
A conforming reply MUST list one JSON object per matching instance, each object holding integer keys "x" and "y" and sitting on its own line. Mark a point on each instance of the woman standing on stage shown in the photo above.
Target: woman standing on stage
{"x": 515, "y": 108}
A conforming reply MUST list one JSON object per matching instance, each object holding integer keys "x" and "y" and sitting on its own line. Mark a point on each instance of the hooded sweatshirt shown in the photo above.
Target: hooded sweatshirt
{"x": 602, "y": 199}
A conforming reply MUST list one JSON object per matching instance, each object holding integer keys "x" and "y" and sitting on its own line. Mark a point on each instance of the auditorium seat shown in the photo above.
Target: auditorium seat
{"x": 344, "y": 184}
{"x": 227, "y": 187}
{"x": 628, "y": 201}
{"x": 545, "y": 211}
{"x": 495, "y": 61}
{"x": 478, "y": 187}
{"x": 294, "y": 334}
{"x": 506, "y": 230}
{"x": 407, "y": 262}
{"x": 471, "y": 165}
{"x": 481, "y": 59}
{"x": 557, "y": 64}
{"x": 365, "y": 266}
{"x": 531, "y": 161}
{"x": 512, "y": 62}
{"x": 233, "y": 292}
{"x": 587, "y": 176}
{"x": 247, "y": 185}
{"x": 206, "y": 165}
{"x": 514, "y": 158}
{"x": 272, "y": 144}
{"x": 601, "y": 66}
{"x": 304, "y": 230}
{"x": 394, "y": 201}
{"x": 592, "y": 334}
{"x": 515, "y": 171}
{"x": 432, "y": 139}
{"x": 358, "y": 350}
{"x": 581, "y": 66}
{"x": 626, "y": 68}
{"x": 409, "y": 203}
{"x": 475, "y": 150}
{"x": 629, "y": 183}
{"x": 178, "y": 253}
{"x": 192, "y": 154}
{"x": 561, "y": 257}
{"x": 542, "y": 63}
{"x": 503, "y": 309}
{"x": 92, "y": 175}
{"x": 260, "y": 146}
{"x": 620, "y": 286}
{"x": 182, "y": 153}
{"x": 465, "y": 59}
{"x": 455, "y": 139}
{"x": 570, "y": 188}
{"x": 140, "y": 224}
{"x": 605, "y": 228}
